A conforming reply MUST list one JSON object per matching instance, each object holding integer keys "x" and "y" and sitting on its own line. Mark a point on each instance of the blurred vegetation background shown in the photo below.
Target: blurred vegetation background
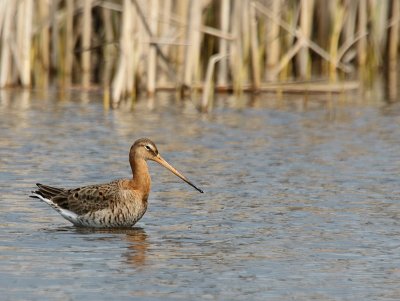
{"x": 130, "y": 46}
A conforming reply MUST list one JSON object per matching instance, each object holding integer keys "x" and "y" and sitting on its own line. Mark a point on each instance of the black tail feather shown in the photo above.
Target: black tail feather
{"x": 47, "y": 191}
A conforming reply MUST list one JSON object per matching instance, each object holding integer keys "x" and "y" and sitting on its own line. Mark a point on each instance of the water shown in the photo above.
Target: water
{"x": 301, "y": 200}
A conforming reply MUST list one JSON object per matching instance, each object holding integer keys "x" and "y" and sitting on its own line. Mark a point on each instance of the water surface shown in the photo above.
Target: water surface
{"x": 301, "y": 199}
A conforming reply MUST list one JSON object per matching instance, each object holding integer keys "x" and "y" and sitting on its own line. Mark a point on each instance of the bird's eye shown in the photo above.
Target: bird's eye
{"x": 147, "y": 147}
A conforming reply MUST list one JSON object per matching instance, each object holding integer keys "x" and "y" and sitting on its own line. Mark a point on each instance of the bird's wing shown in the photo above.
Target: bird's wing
{"x": 84, "y": 199}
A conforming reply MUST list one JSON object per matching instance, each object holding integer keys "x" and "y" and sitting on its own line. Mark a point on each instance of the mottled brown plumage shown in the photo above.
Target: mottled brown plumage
{"x": 120, "y": 203}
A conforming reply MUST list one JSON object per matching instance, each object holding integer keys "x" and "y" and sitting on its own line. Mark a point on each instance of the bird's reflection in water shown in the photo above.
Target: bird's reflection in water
{"x": 135, "y": 237}
{"x": 137, "y": 247}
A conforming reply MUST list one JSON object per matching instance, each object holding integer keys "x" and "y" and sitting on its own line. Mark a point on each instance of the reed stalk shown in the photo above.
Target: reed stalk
{"x": 166, "y": 33}
{"x": 255, "y": 55}
{"x": 223, "y": 43}
{"x": 272, "y": 42}
{"x": 245, "y": 32}
{"x": 181, "y": 8}
{"x": 362, "y": 29}
{"x": 21, "y": 46}
{"x": 26, "y": 43}
{"x": 205, "y": 102}
{"x": 394, "y": 28}
{"x": 393, "y": 51}
{"x": 349, "y": 32}
{"x": 323, "y": 29}
{"x": 305, "y": 42}
{"x": 6, "y": 40}
{"x": 150, "y": 45}
{"x": 238, "y": 54}
{"x": 379, "y": 25}
{"x": 86, "y": 36}
{"x": 303, "y": 57}
{"x": 120, "y": 83}
{"x": 42, "y": 65}
{"x": 69, "y": 42}
{"x": 2, "y": 14}
{"x": 54, "y": 42}
{"x": 152, "y": 56}
{"x": 192, "y": 54}
{"x": 338, "y": 17}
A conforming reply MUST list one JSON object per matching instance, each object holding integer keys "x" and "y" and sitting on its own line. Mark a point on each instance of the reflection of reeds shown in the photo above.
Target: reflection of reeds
{"x": 128, "y": 46}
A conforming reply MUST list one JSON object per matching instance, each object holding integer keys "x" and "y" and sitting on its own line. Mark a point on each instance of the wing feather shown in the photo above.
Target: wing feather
{"x": 82, "y": 200}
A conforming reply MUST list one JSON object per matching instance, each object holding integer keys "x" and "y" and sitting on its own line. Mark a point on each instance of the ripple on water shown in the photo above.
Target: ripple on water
{"x": 299, "y": 204}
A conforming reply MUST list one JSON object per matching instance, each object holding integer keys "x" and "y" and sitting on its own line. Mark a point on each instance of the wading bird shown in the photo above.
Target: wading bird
{"x": 120, "y": 203}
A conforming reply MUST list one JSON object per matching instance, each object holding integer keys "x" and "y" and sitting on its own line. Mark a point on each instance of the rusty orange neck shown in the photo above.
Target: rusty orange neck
{"x": 140, "y": 175}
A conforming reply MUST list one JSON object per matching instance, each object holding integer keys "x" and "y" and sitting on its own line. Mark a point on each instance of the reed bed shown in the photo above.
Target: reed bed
{"x": 131, "y": 46}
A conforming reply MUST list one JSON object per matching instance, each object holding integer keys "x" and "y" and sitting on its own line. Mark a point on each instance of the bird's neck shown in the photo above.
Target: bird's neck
{"x": 140, "y": 175}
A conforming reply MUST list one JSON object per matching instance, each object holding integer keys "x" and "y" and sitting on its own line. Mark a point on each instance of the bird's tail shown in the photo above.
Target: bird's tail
{"x": 46, "y": 191}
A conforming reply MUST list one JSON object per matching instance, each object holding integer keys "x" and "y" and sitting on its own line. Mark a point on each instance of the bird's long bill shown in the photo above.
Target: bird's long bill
{"x": 164, "y": 163}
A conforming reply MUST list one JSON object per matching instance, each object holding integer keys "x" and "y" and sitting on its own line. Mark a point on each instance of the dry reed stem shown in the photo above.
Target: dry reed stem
{"x": 394, "y": 35}
{"x": 164, "y": 49}
{"x": 338, "y": 17}
{"x": 119, "y": 84}
{"x": 152, "y": 56}
{"x": 109, "y": 52}
{"x": 350, "y": 34}
{"x": 393, "y": 53}
{"x": 208, "y": 81}
{"x": 86, "y": 36}
{"x": 299, "y": 35}
{"x": 236, "y": 53}
{"x": 6, "y": 36}
{"x": 379, "y": 23}
{"x": 362, "y": 29}
{"x": 272, "y": 42}
{"x": 146, "y": 27}
{"x": 25, "y": 45}
{"x": 54, "y": 45}
{"x": 44, "y": 39}
{"x": 166, "y": 33}
{"x": 255, "y": 56}
{"x": 192, "y": 54}
{"x": 179, "y": 55}
{"x": 286, "y": 58}
{"x": 69, "y": 42}
{"x": 223, "y": 43}
{"x": 302, "y": 58}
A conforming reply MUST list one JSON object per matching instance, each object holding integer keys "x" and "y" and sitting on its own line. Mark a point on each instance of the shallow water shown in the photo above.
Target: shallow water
{"x": 301, "y": 200}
